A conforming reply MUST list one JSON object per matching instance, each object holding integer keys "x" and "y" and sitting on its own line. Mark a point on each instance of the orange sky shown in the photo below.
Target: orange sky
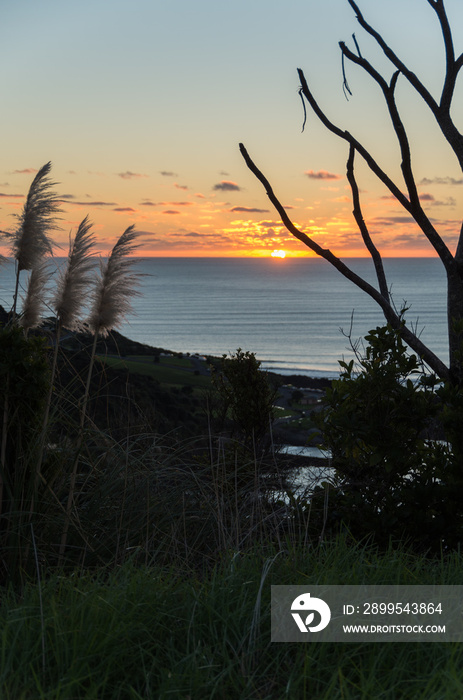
{"x": 232, "y": 222}
{"x": 149, "y": 135}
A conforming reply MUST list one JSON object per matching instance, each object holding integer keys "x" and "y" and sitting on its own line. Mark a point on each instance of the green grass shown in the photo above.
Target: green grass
{"x": 164, "y": 372}
{"x": 150, "y": 633}
{"x": 184, "y": 362}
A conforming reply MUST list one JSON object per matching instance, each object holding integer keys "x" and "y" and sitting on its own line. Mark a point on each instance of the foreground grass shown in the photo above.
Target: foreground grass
{"x": 149, "y": 633}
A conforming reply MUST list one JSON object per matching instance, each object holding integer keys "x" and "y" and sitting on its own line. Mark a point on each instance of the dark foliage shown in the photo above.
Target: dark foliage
{"x": 394, "y": 479}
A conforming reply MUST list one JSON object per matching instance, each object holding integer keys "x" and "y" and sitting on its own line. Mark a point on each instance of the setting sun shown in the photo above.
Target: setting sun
{"x": 278, "y": 254}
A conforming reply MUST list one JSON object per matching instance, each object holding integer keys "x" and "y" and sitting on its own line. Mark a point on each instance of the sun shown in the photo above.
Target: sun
{"x": 278, "y": 254}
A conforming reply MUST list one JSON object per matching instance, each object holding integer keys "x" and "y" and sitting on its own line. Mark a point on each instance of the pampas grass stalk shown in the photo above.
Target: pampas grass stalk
{"x": 111, "y": 304}
{"x": 72, "y": 289}
{"x": 31, "y": 241}
{"x": 71, "y": 292}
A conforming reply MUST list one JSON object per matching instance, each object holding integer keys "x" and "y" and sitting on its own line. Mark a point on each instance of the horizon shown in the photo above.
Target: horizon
{"x": 149, "y": 136}
{"x": 278, "y": 260}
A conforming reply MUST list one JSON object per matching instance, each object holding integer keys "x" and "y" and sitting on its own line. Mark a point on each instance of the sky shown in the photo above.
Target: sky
{"x": 140, "y": 106}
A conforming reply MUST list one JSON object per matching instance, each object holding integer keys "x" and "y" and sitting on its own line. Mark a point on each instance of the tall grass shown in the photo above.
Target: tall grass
{"x": 23, "y": 361}
{"x": 111, "y": 303}
{"x": 150, "y": 633}
{"x": 31, "y": 241}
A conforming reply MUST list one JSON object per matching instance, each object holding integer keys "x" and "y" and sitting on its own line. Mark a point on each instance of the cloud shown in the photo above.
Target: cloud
{"x": 271, "y": 224}
{"x": 426, "y": 197}
{"x": 201, "y": 196}
{"x": 128, "y": 175}
{"x": 148, "y": 203}
{"x": 441, "y": 181}
{"x": 449, "y": 202}
{"x": 322, "y": 175}
{"x": 405, "y": 238}
{"x": 170, "y": 211}
{"x": 94, "y": 204}
{"x": 168, "y": 173}
{"x": 180, "y": 187}
{"x": 177, "y": 204}
{"x": 2, "y": 194}
{"x": 249, "y": 210}
{"x": 227, "y": 186}
{"x": 391, "y": 220}
{"x": 26, "y": 171}
{"x": 124, "y": 209}
{"x": 67, "y": 196}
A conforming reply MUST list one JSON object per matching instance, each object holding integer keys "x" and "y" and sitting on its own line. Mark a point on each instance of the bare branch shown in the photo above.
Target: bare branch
{"x": 413, "y": 205}
{"x": 441, "y": 111}
{"x": 459, "y": 250}
{"x": 389, "y": 312}
{"x": 388, "y": 91}
{"x": 303, "y": 107}
{"x": 395, "y": 60}
{"x": 366, "y": 65}
{"x": 357, "y": 45}
{"x": 357, "y": 212}
{"x": 346, "y": 136}
{"x": 345, "y": 84}
{"x": 451, "y": 72}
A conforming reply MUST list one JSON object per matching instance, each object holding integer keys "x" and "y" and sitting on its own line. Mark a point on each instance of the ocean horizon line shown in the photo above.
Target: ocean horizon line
{"x": 277, "y": 260}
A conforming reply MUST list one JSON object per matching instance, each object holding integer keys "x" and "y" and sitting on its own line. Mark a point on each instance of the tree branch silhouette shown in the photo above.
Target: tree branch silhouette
{"x": 411, "y": 202}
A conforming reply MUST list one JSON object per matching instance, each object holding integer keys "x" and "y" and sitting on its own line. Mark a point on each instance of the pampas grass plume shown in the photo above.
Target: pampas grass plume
{"x": 74, "y": 281}
{"x": 34, "y": 303}
{"x": 116, "y": 285}
{"x": 31, "y": 240}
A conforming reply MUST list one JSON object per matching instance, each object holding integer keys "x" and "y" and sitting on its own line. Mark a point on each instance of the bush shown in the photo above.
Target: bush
{"x": 381, "y": 421}
{"x": 246, "y": 394}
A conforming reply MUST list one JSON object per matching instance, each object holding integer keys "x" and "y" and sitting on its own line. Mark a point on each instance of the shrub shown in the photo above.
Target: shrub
{"x": 381, "y": 421}
{"x": 247, "y": 396}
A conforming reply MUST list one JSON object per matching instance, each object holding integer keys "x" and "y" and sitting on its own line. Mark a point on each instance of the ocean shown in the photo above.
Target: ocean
{"x": 293, "y": 313}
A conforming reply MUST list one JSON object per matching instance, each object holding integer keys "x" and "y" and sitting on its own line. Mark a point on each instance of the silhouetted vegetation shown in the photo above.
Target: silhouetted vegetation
{"x": 411, "y": 201}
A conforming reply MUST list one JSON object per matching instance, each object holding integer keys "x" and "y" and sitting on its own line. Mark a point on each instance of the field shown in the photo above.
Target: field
{"x": 171, "y": 371}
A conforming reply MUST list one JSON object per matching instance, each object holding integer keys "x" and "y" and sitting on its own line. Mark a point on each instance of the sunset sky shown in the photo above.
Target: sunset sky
{"x": 140, "y": 106}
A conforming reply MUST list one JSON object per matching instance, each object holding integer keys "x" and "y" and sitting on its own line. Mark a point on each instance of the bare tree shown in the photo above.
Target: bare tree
{"x": 453, "y": 263}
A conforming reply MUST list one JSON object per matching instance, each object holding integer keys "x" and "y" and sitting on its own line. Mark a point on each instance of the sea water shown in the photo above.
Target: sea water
{"x": 293, "y": 313}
